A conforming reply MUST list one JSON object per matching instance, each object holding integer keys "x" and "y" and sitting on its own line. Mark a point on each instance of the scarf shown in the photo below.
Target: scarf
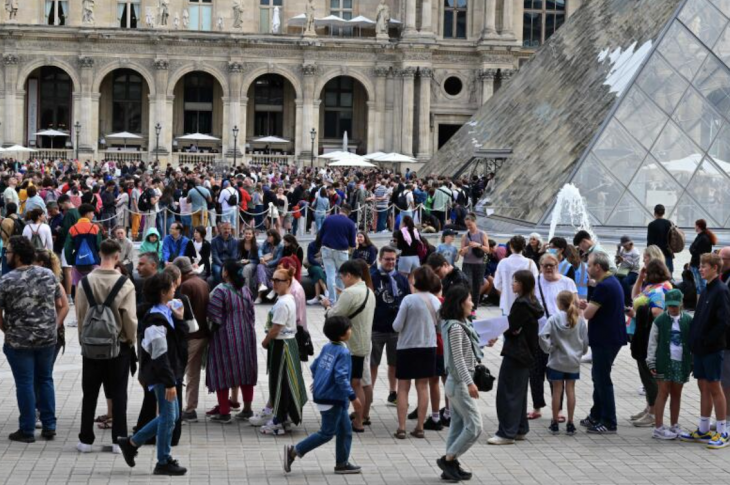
{"x": 393, "y": 283}
{"x": 470, "y": 332}
{"x": 407, "y": 235}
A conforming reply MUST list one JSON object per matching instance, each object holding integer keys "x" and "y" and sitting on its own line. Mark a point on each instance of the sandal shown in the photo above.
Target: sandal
{"x": 102, "y": 418}
{"x": 418, "y": 433}
{"x": 365, "y": 421}
{"x": 400, "y": 434}
{"x": 561, "y": 418}
{"x": 533, "y": 415}
{"x": 105, "y": 424}
{"x": 358, "y": 430}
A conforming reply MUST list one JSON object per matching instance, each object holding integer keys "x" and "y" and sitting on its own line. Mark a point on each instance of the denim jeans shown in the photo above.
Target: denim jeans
{"x": 229, "y": 216}
{"x": 216, "y": 273}
{"x": 319, "y": 219}
{"x": 382, "y": 219}
{"x": 466, "y": 419}
{"x": 604, "y": 402}
{"x": 670, "y": 265}
{"x": 335, "y": 422}
{"x": 332, "y": 259}
{"x": 33, "y": 368}
{"x": 161, "y": 427}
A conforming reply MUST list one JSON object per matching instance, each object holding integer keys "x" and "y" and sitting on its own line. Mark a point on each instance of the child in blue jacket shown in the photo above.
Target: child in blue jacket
{"x": 332, "y": 393}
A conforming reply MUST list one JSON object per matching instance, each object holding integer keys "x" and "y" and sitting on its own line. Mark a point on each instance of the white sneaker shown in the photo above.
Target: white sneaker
{"x": 116, "y": 450}
{"x": 72, "y": 323}
{"x": 498, "y": 440}
{"x": 645, "y": 421}
{"x": 326, "y": 293}
{"x": 664, "y": 433}
{"x": 676, "y": 428}
{"x": 261, "y": 418}
{"x": 641, "y": 391}
{"x": 273, "y": 429}
{"x": 313, "y": 301}
{"x": 83, "y": 447}
{"x": 262, "y": 288}
{"x": 639, "y": 415}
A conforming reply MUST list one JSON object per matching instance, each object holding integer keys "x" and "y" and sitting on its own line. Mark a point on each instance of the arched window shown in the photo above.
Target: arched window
{"x": 455, "y": 19}
{"x": 269, "y": 106}
{"x": 127, "y": 101}
{"x": 541, "y": 19}
{"x": 55, "y": 99}
{"x": 198, "y": 98}
{"x": 338, "y": 104}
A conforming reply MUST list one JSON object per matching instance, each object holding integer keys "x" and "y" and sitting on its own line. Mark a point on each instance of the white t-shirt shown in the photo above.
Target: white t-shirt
{"x": 284, "y": 312}
{"x": 503, "y": 278}
{"x": 675, "y": 341}
{"x": 225, "y": 195}
{"x": 43, "y": 230}
{"x": 551, "y": 289}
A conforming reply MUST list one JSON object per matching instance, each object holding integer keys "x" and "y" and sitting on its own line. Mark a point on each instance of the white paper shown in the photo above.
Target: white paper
{"x": 490, "y": 329}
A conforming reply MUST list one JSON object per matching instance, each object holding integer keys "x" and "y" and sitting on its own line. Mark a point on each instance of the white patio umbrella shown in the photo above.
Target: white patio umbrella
{"x": 271, "y": 139}
{"x": 335, "y": 155}
{"x": 362, "y": 22}
{"x": 124, "y": 135}
{"x": 394, "y": 158}
{"x": 198, "y": 137}
{"x": 51, "y": 133}
{"x": 19, "y": 149}
{"x": 352, "y": 161}
{"x": 298, "y": 21}
{"x": 331, "y": 21}
{"x": 373, "y": 156}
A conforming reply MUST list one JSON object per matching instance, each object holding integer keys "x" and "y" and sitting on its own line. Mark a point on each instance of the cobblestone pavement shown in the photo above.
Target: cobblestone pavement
{"x": 237, "y": 453}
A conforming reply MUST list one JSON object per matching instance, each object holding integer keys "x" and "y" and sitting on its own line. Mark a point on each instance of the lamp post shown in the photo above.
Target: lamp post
{"x": 77, "y": 126}
{"x": 158, "y": 130}
{"x": 235, "y": 145}
{"x": 313, "y": 135}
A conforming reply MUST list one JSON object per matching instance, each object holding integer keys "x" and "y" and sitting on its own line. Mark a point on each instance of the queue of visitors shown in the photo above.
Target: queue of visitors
{"x": 189, "y": 304}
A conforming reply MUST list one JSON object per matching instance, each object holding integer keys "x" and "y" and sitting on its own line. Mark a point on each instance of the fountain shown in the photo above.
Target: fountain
{"x": 570, "y": 208}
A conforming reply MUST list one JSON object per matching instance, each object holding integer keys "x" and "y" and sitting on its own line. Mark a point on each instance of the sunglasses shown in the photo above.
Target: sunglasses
{"x": 276, "y": 280}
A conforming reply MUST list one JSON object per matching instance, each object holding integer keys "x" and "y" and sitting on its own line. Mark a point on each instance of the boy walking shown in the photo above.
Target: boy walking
{"x": 332, "y": 393}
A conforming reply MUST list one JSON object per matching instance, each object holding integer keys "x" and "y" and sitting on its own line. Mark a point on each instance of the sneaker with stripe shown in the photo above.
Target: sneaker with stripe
{"x": 720, "y": 440}
{"x": 696, "y": 437}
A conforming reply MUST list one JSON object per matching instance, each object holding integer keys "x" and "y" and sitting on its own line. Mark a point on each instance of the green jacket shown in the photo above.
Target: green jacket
{"x": 70, "y": 218}
{"x": 658, "y": 353}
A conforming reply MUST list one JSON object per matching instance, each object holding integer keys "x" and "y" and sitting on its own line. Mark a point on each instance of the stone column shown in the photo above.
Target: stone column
{"x": 391, "y": 138}
{"x": 161, "y": 111}
{"x": 235, "y": 79}
{"x": 372, "y": 130}
{"x": 380, "y": 74}
{"x": 487, "y": 76}
{"x": 426, "y": 14}
{"x": 424, "y": 113}
{"x": 489, "y": 31}
{"x": 407, "y": 74}
{"x": 11, "y": 118}
{"x": 243, "y": 128}
{"x": 410, "y": 28}
{"x": 310, "y": 113}
{"x": 89, "y": 133}
{"x": 298, "y": 131}
{"x": 507, "y": 14}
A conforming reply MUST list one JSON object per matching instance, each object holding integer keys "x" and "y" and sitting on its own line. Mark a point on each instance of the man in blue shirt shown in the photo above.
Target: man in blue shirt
{"x": 174, "y": 244}
{"x": 606, "y": 336}
{"x": 223, "y": 247}
{"x": 199, "y": 197}
{"x": 336, "y": 237}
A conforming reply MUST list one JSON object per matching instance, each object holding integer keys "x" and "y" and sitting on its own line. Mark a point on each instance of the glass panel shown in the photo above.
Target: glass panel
{"x": 641, "y": 117}
{"x": 330, "y": 98}
{"x": 334, "y": 4}
{"x": 194, "y": 22}
{"x": 677, "y": 154}
{"x": 652, "y": 186}
{"x": 531, "y": 28}
{"x": 461, "y": 25}
{"x": 713, "y": 81}
{"x": 206, "y": 14}
{"x": 723, "y": 5}
{"x": 720, "y": 150}
{"x": 704, "y": 20}
{"x": 662, "y": 83}
{"x": 598, "y": 187}
{"x": 264, "y": 20}
{"x": 619, "y": 152}
{"x": 628, "y": 212}
{"x": 682, "y": 50}
{"x": 698, "y": 119}
{"x": 448, "y": 24}
{"x": 346, "y": 3}
{"x": 711, "y": 189}
{"x": 688, "y": 211}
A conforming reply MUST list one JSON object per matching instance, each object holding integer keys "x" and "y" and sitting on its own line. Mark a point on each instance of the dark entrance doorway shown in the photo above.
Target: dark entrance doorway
{"x": 446, "y": 132}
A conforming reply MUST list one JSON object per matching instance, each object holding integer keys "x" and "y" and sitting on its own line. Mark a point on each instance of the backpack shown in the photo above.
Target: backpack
{"x": 99, "y": 337}
{"x": 232, "y": 199}
{"x": 18, "y": 227}
{"x": 36, "y": 240}
{"x": 675, "y": 239}
{"x": 50, "y": 195}
{"x": 422, "y": 250}
{"x": 84, "y": 256}
{"x": 402, "y": 202}
{"x": 144, "y": 203}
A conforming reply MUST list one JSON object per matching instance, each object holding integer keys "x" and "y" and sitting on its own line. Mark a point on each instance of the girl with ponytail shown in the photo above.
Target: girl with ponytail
{"x": 565, "y": 339}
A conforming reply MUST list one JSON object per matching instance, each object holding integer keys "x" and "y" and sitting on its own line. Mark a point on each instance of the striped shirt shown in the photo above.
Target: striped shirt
{"x": 462, "y": 354}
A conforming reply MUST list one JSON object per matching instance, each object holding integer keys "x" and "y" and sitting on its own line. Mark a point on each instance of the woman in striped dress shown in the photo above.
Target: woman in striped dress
{"x": 232, "y": 352}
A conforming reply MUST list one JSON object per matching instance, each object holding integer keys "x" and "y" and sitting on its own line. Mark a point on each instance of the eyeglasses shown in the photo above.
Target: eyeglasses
{"x": 276, "y": 280}
{"x": 548, "y": 266}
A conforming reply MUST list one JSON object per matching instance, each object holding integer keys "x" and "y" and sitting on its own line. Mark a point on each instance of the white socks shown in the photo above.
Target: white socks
{"x": 722, "y": 426}
{"x": 435, "y": 417}
{"x": 704, "y": 425}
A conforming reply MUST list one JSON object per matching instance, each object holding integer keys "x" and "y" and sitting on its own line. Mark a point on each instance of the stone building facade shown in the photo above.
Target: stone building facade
{"x": 208, "y": 66}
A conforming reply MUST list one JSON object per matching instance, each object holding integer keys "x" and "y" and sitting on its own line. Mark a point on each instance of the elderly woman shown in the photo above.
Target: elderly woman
{"x": 474, "y": 246}
{"x": 549, "y": 284}
{"x": 416, "y": 350}
{"x": 232, "y": 353}
{"x": 269, "y": 257}
{"x": 534, "y": 249}
{"x": 653, "y": 283}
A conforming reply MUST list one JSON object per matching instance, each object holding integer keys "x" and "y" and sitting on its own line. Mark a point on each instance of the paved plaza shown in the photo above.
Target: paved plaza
{"x": 238, "y": 453}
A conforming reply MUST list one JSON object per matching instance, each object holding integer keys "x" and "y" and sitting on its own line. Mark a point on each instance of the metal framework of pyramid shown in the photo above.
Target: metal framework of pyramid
{"x": 630, "y": 101}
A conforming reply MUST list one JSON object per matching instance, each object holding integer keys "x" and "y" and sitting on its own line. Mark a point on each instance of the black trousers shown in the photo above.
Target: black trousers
{"x": 512, "y": 398}
{"x": 475, "y": 275}
{"x": 149, "y": 412}
{"x": 113, "y": 374}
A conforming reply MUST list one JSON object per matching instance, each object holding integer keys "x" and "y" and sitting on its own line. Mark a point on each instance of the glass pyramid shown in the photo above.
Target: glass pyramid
{"x": 630, "y": 101}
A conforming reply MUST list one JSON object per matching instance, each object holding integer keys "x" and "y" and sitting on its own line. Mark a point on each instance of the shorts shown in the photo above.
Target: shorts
{"x": 440, "y": 366}
{"x": 408, "y": 264}
{"x": 709, "y": 367}
{"x": 387, "y": 340}
{"x": 367, "y": 377}
{"x": 556, "y": 375}
{"x": 414, "y": 363}
{"x": 64, "y": 263}
{"x": 358, "y": 363}
{"x": 725, "y": 378}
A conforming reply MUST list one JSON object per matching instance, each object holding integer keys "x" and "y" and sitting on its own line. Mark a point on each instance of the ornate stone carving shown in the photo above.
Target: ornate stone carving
{"x": 163, "y": 10}
{"x": 381, "y": 71}
{"x": 435, "y": 89}
{"x": 87, "y": 6}
{"x": 425, "y": 72}
{"x": 382, "y": 18}
{"x": 309, "y": 69}
{"x": 10, "y": 59}
{"x": 487, "y": 74}
{"x": 11, "y": 6}
{"x": 507, "y": 74}
{"x": 309, "y": 29}
{"x": 235, "y": 67}
{"x": 86, "y": 62}
{"x": 407, "y": 72}
{"x": 417, "y": 55}
{"x": 237, "y": 14}
{"x": 162, "y": 64}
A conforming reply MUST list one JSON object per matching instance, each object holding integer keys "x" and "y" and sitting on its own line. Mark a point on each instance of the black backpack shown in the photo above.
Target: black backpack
{"x": 232, "y": 199}
{"x": 402, "y": 202}
{"x": 145, "y": 201}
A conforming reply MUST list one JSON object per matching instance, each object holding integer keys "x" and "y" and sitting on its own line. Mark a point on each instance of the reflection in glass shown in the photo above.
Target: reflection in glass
{"x": 723, "y": 5}
{"x": 713, "y": 81}
{"x": 652, "y": 186}
{"x": 711, "y": 189}
{"x": 682, "y": 50}
{"x": 662, "y": 83}
{"x": 599, "y": 189}
{"x": 641, "y": 117}
{"x": 698, "y": 119}
{"x": 704, "y": 20}
{"x": 677, "y": 154}
{"x": 619, "y": 151}
{"x": 628, "y": 212}
{"x": 688, "y": 211}
{"x": 720, "y": 150}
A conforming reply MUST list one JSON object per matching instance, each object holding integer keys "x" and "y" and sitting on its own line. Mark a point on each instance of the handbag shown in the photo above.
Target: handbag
{"x": 192, "y": 324}
{"x": 483, "y": 379}
{"x": 476, "y": 252}
{"x": 304, "y": 343}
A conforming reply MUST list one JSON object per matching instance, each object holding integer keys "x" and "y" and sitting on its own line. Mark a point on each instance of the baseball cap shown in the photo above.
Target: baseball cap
{"x": 450, "y": 232}
{"x": 673, "y": 298}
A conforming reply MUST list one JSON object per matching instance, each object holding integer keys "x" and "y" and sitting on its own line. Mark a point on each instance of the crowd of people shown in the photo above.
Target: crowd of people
{"x": 206, "y": 260}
